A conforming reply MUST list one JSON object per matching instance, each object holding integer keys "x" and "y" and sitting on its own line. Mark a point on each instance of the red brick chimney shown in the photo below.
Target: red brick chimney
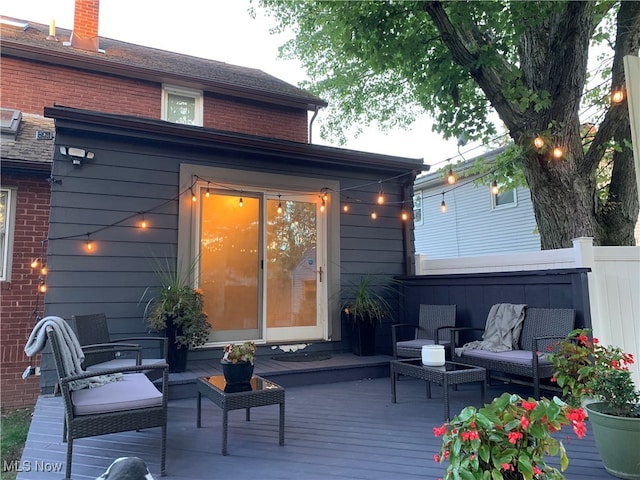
{"x": 85, "y": 25}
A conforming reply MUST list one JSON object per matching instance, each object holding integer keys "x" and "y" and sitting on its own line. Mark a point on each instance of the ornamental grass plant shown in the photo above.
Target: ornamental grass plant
{"x": 508, "y": 439}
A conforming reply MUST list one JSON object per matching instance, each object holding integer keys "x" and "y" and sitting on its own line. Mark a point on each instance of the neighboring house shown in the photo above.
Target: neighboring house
{"x": 140, "y": 134}
{"x": 27, "y": 148}
{"x": 476, "y": 221}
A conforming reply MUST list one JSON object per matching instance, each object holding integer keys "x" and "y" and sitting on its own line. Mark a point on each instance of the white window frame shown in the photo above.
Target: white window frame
{"x": 495, "y": 206}
{"x": 197, "y": 95}
{"x": 419, "y": 208}
{"x": 6, "y": 240}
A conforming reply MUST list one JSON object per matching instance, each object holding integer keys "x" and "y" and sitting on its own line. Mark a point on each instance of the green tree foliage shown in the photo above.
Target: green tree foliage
{"x": 386, "y": 62}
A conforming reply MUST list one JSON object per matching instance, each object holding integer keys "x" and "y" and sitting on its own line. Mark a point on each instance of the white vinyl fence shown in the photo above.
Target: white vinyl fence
{"x": 614, "y": 284}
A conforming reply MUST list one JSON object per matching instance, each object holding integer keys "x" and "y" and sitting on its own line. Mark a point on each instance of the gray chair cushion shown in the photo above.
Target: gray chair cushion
{"x": 123, "y": 362}
{"x": 521, "y": 357}
{"x": 133, "y": 391}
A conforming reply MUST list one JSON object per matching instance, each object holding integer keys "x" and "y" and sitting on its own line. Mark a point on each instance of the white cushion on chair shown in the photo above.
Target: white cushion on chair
{"x": 133, "y": 391}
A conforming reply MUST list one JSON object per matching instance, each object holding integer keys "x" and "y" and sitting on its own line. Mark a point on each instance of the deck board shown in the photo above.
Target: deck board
{"x": 345, "y": 430}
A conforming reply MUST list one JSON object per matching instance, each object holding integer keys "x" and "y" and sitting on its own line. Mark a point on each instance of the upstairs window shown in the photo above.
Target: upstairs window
{"x": 9, "y": 121}
{"x": 417, "y": 208}
{"x": 182, "y": 105}
{"x": 504, "y": 198}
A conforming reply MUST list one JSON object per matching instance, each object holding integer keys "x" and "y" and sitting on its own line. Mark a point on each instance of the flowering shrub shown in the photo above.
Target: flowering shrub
{"x": 582, "y": 366}
{"x": 234, "y": 353}
{"x": 508, "y": 439}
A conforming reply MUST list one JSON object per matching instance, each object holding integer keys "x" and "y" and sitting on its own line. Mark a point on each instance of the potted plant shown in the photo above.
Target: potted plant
{"x": 583, "y": 365}
{"x": 508, "y": 439}
{"x": 178, "y": 311}
{"x": 364, "y": 307}
{"x": 238, "y": 362}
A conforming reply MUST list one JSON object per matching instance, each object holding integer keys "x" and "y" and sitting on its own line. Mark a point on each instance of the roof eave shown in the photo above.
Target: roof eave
{"x": 72, "y": 60}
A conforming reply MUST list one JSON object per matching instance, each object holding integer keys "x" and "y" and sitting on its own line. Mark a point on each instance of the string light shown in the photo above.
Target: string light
{"x": 345, "y": 208}
{"x": 241, "y": 202}
{"x": 89, "y": 243}
{"x": 380, "y": 200}
{"x": 322, "y": 205}
{"x": 617, "y": 96}
{"x": 42, "y": 288}
{"x": 208, "y": 194}
{"x": 451, "y": 178}
{"x": 194, "y": 199}
{"x": 557, "y": 152}
{"x": 374, "y": 215}
{"x": 35, "y": 263}
{"x": 443, "y": 205}
{"x": 143, "y": 222}
{"x": 325, "y": 197}
{"x": 279, "y": 206}
{"x": 404, "y": 215}
{"x": 538, "y": 142}
{"x": 43, "y": 271}
{"x": 494, "y": 187}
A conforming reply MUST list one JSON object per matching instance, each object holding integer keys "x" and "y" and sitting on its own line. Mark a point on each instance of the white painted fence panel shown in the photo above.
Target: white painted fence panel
{"x": 614, "y": 284}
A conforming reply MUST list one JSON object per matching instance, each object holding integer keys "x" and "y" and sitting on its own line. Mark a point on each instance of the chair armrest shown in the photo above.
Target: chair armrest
{"x": 455, "y": 331}
{"x": 161, "y": 341}
{"x": 396, "y": 326}
{"x": 437, "y": 334}
{"x": 113, "y": 348}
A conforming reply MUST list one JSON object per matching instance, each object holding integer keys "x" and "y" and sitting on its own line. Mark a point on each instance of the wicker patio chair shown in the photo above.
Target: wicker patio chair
{"x": 131, "y": 403}
{"x": 93, "y": 329}
{"x": 541, "y": 330}
{"x": 433, "y": 325}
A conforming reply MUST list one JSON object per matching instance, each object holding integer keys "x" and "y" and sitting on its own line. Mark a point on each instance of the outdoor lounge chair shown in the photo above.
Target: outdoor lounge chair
{"x": 131, "y": 403}
{"x": 93, "y": 329}
{"x": 433, "y": 328}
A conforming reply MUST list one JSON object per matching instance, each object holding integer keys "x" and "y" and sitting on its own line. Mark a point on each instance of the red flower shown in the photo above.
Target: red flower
{"x": 524, "y": 422}
{"x": 580, "y": 429}
{"x": 614, "y": 364}
{"x": 582, "y": 338}
{"x": 514, "y": 437}
{"x": 528, "y": 406}
{"x": 553, "y": 379}
{"x": 507, "y": 466}
{"x": 436, "y": 458}
{"x": 439, "y": 431}
{"x": 595, "y": 340}
{"x": 577, "y": 415}
{"x": 537, "y": 471}
{"x": 446, "y": 454}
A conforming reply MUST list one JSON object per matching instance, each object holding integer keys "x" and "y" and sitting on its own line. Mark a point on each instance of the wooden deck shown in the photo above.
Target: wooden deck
{"x": 343, "y": 430}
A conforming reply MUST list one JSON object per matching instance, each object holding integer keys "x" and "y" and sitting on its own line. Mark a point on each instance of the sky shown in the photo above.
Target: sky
{"x": 223, "y": 30}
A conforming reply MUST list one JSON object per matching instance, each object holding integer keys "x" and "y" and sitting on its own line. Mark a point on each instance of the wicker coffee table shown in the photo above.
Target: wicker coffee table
{"x": 256, "y": 394}
{"x": 450, "y": 374}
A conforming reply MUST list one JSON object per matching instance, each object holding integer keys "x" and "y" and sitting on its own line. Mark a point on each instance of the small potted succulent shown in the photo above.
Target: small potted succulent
{"x": 508, "y": 439}
{"x": 238, "y": 362}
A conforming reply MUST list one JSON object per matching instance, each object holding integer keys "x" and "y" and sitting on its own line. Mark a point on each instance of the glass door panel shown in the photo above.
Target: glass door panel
{"x": 293, "y": 269}
{"x": 230, "y": 265}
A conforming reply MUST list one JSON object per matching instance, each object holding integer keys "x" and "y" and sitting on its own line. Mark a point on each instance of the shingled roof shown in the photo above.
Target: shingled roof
{"x": 140, "y": 62}
{"x": 27, "y": 150}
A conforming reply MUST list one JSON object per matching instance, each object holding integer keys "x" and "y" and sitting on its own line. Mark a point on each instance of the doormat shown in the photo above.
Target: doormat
{"x": 301, "y": 357}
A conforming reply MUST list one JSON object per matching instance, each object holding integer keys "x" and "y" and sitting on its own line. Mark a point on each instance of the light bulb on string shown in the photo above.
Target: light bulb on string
{"x": 494, "y": 187}
{"x": 89, "y": 243}
{"x": 451, "y": 178}
{"x": 322, "y": 206}
{"x": 404, "y": 215}
{"x": 443, "y": 205}
{"x": 42, "y": 288}
{"x": 538, "y": 142}
{"x": 279, "y": 206}
{"x": 380, "y": 199}
{"x": 194, "y": 199}
{"x": 143, "y": 223}
{"x": 35, "y": 263}
{"x": 241, "y": 202}
{"x": 43, "y": 271}
{"x": 325, "y": 196}
{"x": 617, "y": 96}
{"x": 345, "y": 208}
{"x": 558, "y": 152}
{"x": 374, "y": 215}
{"x": 208, "y": 193}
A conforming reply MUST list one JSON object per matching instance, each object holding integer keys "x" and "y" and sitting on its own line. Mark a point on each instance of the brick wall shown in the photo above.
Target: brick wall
{"x": 19, "y": 294}
{"x": 30, "y": 86}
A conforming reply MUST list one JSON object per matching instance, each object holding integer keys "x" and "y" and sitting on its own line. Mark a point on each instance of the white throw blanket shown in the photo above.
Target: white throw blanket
{"x": 70, "y": 351}
{"x": 502, "y": 330}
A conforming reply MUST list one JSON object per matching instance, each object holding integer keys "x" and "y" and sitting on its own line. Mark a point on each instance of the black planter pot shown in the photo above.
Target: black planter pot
{"x": 363, "y": 338}
{"x": 176, "y": 353}
{"x": 237, "y": 373}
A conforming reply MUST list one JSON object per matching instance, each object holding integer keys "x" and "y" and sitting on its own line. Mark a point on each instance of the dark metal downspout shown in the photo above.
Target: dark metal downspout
{"x": 315, "y": 114}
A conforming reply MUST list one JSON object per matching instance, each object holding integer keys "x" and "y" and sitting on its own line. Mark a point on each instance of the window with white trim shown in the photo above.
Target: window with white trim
{"x": 182, "y": 105}
{"x": 504, "y": 198}
{"x": 417, "y": 208}
{"x": 7, "y": 220}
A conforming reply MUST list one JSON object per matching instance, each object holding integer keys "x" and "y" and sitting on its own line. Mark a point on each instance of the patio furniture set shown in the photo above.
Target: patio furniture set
{"x": 134, "y": 402}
